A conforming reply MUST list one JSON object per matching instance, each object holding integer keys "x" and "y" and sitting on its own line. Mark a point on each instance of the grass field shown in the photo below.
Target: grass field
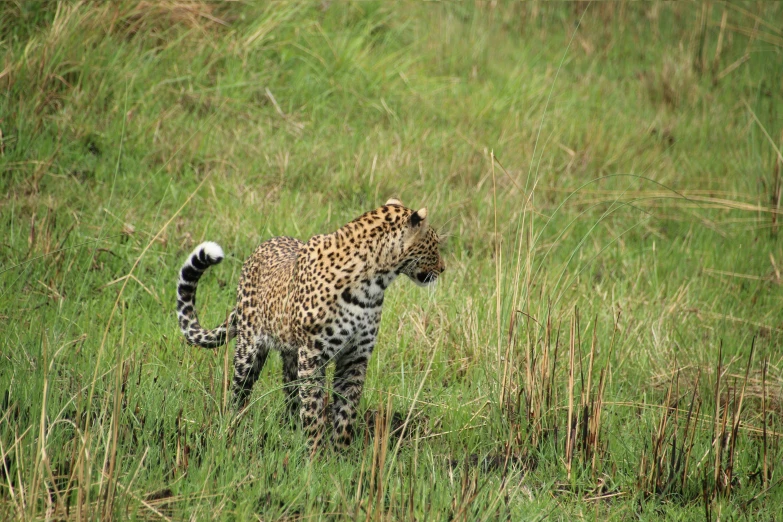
{"x": 605, "y": 344}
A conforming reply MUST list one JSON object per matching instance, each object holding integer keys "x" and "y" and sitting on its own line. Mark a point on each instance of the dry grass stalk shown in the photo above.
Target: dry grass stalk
{"x": 587, "y": 401}
{"x": 658, "y": 455}
{"x": 380, "y": 446}
{"x": 569, "y": 452}
{"x": 764, "y": 467}
{"x": 697, "y": 401}
{"x": 719, "y": 47}
{"x": 111, "y": 453}
{"x": 716, "y": 420}
{"x": 700, "y": 59}
{"x": 40, "y": 453}
{"x": 498, "y": 278}
{"x": 468, "y": 492}
{"x": 736, "y": 420}
{"x": 777, "y": 190}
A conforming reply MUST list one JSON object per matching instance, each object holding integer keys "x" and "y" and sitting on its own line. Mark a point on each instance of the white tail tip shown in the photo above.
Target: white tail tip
{"x": 211, "y": 249}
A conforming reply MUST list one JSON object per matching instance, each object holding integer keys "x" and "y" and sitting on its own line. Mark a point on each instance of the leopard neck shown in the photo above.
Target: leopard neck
{"x": 371, "y": 241}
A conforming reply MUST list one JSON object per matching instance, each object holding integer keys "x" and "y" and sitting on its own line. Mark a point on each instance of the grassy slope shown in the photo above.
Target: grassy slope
{"x": 293, "y": 119}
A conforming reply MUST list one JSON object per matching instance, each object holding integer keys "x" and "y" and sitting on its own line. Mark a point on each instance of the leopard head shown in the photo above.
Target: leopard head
{"x": 420, "y": 258}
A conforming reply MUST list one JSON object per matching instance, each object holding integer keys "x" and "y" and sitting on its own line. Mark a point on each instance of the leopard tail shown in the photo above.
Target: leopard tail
{"x": 204, "y": 256}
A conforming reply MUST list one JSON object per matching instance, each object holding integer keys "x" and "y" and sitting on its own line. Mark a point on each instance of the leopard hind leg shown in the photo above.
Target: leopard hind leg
{"x": 249, "y": 358}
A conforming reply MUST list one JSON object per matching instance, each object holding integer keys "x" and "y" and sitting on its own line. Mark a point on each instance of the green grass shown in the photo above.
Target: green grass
{"x": 632, "y": 214}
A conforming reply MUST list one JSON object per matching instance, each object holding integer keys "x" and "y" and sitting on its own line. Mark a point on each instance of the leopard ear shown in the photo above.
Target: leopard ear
{"x": 394, "y": 201}
{"x": 418, "y": 217}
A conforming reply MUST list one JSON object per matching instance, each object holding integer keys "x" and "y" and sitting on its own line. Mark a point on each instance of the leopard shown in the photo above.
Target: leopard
{"x": 318, "y": 302}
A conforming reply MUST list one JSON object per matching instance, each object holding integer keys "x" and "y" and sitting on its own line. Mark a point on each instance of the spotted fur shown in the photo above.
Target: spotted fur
{"x": 316, "y": 302}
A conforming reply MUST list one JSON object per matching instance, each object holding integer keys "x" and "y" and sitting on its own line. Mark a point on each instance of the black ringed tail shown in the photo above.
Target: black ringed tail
{"x": 204, "y": 256}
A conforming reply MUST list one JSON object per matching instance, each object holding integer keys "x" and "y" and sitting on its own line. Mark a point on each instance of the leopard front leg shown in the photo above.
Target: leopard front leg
{"x": 349, "y": 375}
{"x": 312, "y": 381}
